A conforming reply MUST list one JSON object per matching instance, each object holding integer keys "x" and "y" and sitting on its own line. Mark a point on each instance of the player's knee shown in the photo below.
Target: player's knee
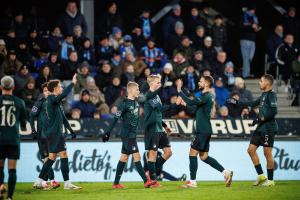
{"x": 203, "y": 157}
{"x": 63, "y": 154}
{"x": 250, "y": 151}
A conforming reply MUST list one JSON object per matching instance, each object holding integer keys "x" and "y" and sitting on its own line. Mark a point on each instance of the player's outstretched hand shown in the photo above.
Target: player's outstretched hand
{"x": 179, "y": 101}
{"x": 232, "y": 101}
{"x": 168, "y": 130}
{"x": 105, "y": 137}
{"x": 74, "y": 79}
{"x": 256, "y": 121}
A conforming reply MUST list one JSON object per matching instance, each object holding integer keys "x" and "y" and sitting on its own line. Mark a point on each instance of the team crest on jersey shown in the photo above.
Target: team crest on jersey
{"x": 34, "y": 109}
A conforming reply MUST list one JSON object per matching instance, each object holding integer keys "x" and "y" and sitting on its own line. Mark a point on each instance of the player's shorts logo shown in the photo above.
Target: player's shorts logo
{"x": 154, "y": 146}
{"x": 34, "y": 109}
{"x": 133, "y": 148}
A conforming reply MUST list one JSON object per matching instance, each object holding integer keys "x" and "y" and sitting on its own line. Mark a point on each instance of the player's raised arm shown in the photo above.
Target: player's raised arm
{"x": 66, "y": 91}
{"x": 186, "y": 99}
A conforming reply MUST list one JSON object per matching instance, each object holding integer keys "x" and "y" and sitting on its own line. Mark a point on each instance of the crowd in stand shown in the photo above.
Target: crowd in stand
{"x": 192, "y": 47}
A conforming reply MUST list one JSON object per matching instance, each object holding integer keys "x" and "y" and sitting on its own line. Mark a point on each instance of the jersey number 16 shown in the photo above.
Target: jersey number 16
{"x": 8, "y": 117}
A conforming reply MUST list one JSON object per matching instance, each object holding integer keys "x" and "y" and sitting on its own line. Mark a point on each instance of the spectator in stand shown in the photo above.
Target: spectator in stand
{"x": 168, "y": 77}
{"x": 190, "y": 78}
{"x": 24, "y": 55}
{"x": 218, "y": 66}
{"x": 70, "y": 18}
{"x": 11, "y": 64}
{"x": 193, "y": 20}
{"x": 198, "y": 37}
{"x": 207, "y": 17}
{"x": 96, "y": 96}
{"x": 110, "y": 19}
{"x": 11, "y": 40}
{"x": 209, "y": 51}
{"x": 116, "y": 63}
{"x": 179, "y": 63}
{"x": 87, "y": 53}
{"x": 115, "y": 38}
{"x": 142, "y": 78}
{"x": 229, "y": 75}
{"x": 29, "y": 94}
{"x": 138, "y": 39}
{"x": 34, "y": 43}
{"x": 291, "y": 24}
{"x": 86, "y": 107}
{"x": 138, "y": 64}
{"x": 198, "y": 61}
{"x": 127, "y": 47}
{"x": 75, "y": 113}
{"x": 36, "y": 21}
{"x": 55, "y": 40}
{"x": 66, "y": 47}
{"x": 285, "y": 54}
{"x": 152, "y": 55}
{"x": 240, "y": 89}
{"x": 250, "y": 27}
{"x": 169, "y": 23}
{"x": 104, "y": 76}
{"x": 43, "y": 77}
{"x": 245, "y": 113}
{"x": 103, "y": 50}
{"x": 186, "y": 47}
{"x": 274, "y": 40}
{"x": 128, "y": 74}
{"x": 82, "y": 75}
{"x": 71, "y": 66}
{"x": 20, "y": 26}
{"x": 55, "y": 66}
{"x": 222, "y": 93}
{"x": 219, "y": 33}
{"x": 146, "y": 24}
{"x": 78, "y": 37}
{"x": 234, "y": 110}
{"x": 223, "y": 113}
{"x": 113, "y": 91}
{"x": 3, "y": 50}
{"x": 174, "y": 41}
{"x": 21, "y": 79}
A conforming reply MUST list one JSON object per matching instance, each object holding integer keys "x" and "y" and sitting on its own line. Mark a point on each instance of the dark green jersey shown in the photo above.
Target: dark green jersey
{"x": 38, "y": 112}
{"x": 153, "y": 109}
{"x": 204, "y": 106}
{"x": 55, "y": 114}
{"x": 12, "y": 116}
{"x": 267, "y": 104}
{"x": 128, "y": 111}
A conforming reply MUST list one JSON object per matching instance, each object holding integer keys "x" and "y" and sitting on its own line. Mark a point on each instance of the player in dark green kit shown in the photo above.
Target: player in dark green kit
{"x": 54, "y": 132}
{"x": 38, "y": 112}
{"x": 266, "y": 129}
{"x": 12, "y": 117}
{"x": 128, "y": 111}
{"x": 200, "y": 144}
{"x": 155, "y": 128}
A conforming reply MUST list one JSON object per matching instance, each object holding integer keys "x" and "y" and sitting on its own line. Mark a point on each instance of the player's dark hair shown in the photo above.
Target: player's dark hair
{"x": 269, "y": 78}
{"x": 209, "y": 79}
{"x": 44, "y": 85}
{"x": 52, "y": 84}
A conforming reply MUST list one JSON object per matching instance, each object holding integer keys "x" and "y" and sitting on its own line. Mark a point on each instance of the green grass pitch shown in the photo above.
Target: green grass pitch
{"x": 240, "y": 190}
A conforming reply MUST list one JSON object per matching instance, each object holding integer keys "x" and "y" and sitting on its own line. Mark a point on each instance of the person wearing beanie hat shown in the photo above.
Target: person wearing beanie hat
{"x": 194, "y": 20}
{"x": 174, "y": 40}
{"x": 13, "y": 117}
{"x": 116, "y": 39}
{"x": 11, "y": 64}
{"x": 103, "y": 50}
{"x": 127, "y": 47}
{"x": 85, "y": 105}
